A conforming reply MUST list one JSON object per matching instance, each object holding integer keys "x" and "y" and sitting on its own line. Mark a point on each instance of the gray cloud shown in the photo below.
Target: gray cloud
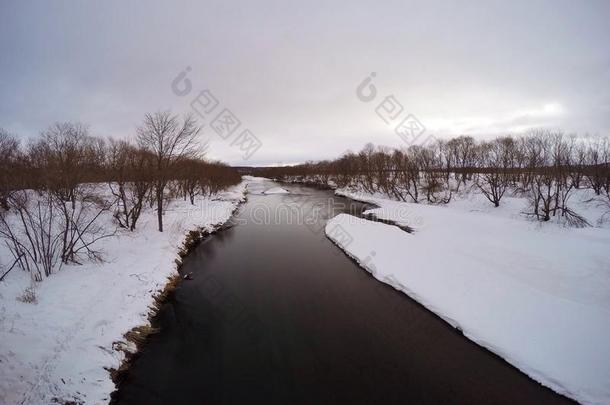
{"x": 289, "y": 70}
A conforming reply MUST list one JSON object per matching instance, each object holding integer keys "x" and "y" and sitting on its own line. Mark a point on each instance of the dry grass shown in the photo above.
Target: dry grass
{"x": 28, "y": 296}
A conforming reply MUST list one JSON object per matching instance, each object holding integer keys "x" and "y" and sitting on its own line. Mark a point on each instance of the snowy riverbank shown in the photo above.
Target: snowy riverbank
{"x": 536, "y": 294}
{"x": 58, "y": 349}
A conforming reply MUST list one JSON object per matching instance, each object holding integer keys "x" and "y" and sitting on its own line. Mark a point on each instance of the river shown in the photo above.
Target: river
{"x": 275, "y": 313}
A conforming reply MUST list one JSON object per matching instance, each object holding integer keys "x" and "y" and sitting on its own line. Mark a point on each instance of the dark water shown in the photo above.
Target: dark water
{"x": 277, "y": 314}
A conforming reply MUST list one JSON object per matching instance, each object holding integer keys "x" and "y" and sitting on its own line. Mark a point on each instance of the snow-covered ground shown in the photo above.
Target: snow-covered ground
{"x": 536, "y": 294}
{"x": 57, "y": 349}
{"x": 276, "y": 190}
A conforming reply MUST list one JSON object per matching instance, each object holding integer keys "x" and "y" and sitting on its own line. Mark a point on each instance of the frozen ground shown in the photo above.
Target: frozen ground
{"x": 536, "y": 294}
{"x": 56, "y": 349}
{"x": 276, "y": 190}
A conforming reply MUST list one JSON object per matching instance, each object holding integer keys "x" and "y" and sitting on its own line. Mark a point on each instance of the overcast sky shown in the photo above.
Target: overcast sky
{"x": 289, "y": 71}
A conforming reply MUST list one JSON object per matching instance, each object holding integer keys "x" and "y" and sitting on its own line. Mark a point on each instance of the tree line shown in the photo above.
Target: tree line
{"x": 545, "y": 166}
{"x": 59, "y": 185}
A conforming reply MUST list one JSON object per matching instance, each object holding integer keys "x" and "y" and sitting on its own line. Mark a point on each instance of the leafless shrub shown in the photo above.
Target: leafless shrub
{"x": 80, "y": 228}
{"x": 31, "y": 234}
{"x": 605, "y": 203}
{"x": 11, "y": 267}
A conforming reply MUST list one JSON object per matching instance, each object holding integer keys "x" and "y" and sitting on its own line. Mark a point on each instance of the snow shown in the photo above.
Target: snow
{"x": 254, "y": 179}
{"x": 57, "y": 349}
{"x": 276, "y": 190}
{"x": 536, "y": 294}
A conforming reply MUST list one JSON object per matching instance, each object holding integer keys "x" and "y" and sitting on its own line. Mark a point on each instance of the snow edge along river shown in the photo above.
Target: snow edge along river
{"x": 556, "y": 331}
{"x": 60, "y": 348}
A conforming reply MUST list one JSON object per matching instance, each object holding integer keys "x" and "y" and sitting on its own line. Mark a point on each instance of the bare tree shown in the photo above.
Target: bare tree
{"x": 129, "y": 181}
{"x": 598, "y": 155}
{"x": 496, "y": 160}
{"x": 66, "y": 161}
{"x": 433, "y": 180}
{"x": 170, "y": 142}
{"x": 545, "y": 166}
{"x": 63, "y": 157}
{"x": 216, "y": 176}
{"x": 406, "y": 174}
{"x": 51, "y": 196}
{"x": 367, "y": 179}
{"x": 190, "y": 172}
{"x": 9, "y": 154}
{"x": 345, "y": 169}
{"x": 550, "y": 185}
